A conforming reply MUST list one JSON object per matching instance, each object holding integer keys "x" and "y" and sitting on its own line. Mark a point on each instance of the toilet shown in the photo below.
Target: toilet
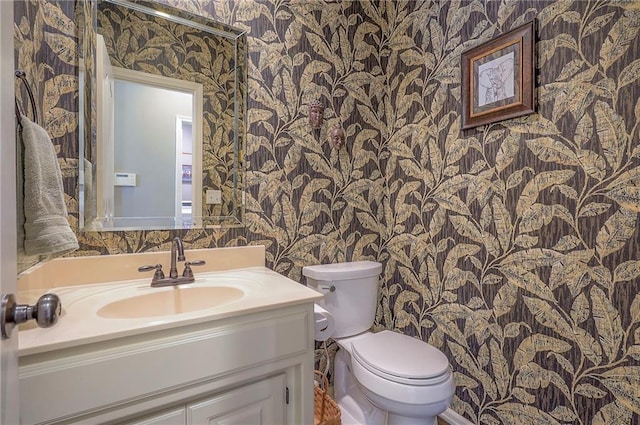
{"x": 383, "y": 378}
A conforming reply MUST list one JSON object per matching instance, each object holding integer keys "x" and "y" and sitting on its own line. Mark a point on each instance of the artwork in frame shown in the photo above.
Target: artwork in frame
{"x": 498, "y": 78}
{"x": 186, "y": 173}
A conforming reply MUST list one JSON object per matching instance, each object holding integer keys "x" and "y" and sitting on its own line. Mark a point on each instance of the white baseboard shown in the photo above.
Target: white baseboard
{"x": 454, "y": 418}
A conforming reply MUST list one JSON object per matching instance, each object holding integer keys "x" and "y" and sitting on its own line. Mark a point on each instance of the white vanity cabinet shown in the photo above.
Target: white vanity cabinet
{"x": 171, "y": 417}
{"x": 252, "y": 368}
{"x": 260, "y": 403}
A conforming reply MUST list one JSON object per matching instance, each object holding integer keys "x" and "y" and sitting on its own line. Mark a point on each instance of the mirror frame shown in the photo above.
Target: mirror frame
{"x": 88, "y": 117}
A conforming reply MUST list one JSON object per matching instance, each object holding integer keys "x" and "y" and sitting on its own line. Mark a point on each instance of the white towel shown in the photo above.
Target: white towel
{"x": 46, "y": 228}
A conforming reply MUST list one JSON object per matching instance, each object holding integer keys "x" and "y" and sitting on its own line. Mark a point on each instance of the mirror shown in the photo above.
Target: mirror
{"x": 164, "y": 121}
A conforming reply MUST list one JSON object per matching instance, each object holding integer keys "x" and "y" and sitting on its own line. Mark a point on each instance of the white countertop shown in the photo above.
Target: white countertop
{"x": 80, "y": 324}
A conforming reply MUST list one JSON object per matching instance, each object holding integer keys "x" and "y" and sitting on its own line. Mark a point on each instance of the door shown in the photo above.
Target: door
{"x": 9, "y": 406}
{"x": 105, "y": 139}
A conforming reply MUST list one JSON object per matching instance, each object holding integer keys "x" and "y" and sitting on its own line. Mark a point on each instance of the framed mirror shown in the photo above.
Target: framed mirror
{"x": 164, "y": 120}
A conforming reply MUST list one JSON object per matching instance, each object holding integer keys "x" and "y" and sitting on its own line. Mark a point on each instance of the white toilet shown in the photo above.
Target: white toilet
{"x": 383, "y": 378}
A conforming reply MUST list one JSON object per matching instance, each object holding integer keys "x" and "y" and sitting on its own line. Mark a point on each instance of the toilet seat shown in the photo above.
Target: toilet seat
{"x": 401, "y": 359}
{"x": 383, "y": 364}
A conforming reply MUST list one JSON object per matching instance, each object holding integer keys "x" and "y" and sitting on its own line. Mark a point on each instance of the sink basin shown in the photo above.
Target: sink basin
{"x": 169, "y": 301}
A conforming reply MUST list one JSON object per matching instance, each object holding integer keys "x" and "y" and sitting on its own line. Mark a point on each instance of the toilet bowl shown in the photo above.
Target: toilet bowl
{"x": 382, "y": 378}
{"x": 403, "y": 376}
{"x": 407, "y": 379}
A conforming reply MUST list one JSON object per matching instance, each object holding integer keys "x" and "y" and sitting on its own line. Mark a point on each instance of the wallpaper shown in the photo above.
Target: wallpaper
{"x": 513, "y": 247}
{"x": 46, "y": 50}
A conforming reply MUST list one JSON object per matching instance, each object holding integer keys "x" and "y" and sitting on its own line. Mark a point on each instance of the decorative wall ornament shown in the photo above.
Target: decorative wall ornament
{"x": 337, "y": 136}
{"x": 316, "y": 114}
{"x": 497, "y": 78}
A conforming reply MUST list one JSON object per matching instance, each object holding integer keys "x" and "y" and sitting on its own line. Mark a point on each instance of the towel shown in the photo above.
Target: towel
{"x": 46, "y": 229}
{"x": 20, "y": 189}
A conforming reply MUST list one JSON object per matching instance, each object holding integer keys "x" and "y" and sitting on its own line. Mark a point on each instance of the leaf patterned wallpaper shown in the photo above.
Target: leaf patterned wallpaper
{"x": 46, "y": 46}
{"x": 513, "y": 247}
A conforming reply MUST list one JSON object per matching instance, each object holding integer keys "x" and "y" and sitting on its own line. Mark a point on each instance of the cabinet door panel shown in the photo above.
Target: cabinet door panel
{"x": 260, "y": 403}
{"x": 172, "y": 417}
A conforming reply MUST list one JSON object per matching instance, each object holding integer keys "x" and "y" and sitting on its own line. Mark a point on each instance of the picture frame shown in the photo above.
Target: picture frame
{"x": 498, "y": 78}
{"x": 186, "y": 173}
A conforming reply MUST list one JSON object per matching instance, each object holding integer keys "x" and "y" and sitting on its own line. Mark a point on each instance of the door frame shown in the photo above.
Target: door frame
{"x": 180, "y": 121}
{"x": 9, "y": 390}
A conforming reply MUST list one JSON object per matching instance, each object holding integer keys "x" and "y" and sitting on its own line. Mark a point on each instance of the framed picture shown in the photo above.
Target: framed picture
{"x": 498, "y": 78}
{"x": 186, "y": 173}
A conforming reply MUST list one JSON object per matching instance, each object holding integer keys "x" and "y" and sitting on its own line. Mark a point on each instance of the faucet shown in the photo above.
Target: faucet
{"x": 177, "y": 249}
{"x": 177, "y": 254}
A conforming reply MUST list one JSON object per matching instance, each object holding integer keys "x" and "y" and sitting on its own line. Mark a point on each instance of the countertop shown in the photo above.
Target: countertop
{"x": 80, "y": 324}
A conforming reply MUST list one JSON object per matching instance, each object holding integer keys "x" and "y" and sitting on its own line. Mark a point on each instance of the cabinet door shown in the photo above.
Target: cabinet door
{"x": 260, "y": 403}
{"x": 168, "y": 417}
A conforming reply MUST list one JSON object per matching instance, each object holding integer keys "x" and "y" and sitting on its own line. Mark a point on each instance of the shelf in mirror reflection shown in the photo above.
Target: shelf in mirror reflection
{"x": 159, "y": 223}
{"x": 136, "y": 223}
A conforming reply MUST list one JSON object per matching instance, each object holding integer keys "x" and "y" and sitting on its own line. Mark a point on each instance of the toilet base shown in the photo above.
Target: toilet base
{"x": 405, "y": 420}
{"x": 356, "y": 408}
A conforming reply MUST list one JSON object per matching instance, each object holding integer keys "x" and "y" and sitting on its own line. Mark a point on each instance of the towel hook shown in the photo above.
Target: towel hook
{"x": 22, "y": 76}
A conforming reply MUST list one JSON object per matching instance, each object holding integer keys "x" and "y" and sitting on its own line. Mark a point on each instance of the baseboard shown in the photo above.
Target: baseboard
{"x": 453, "y": 418}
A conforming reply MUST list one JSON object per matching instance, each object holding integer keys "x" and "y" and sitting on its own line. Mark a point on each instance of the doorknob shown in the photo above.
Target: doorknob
{"x": 46, "y": 312}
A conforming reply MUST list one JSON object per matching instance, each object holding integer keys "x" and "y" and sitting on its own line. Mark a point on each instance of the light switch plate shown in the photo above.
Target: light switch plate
{"x": 124, "y": 179}
{"x": 214, "y": 196}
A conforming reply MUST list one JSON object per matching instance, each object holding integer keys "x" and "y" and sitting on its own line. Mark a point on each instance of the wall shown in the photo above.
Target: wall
{"x": 46, "y": 47}
{"x": 145, "y": 138}
{"x": 512, "y": 247}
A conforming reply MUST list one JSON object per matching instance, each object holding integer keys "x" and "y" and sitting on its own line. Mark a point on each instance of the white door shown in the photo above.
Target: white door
{"x": 105, "y": 137}
{"x": 9, "y": 406}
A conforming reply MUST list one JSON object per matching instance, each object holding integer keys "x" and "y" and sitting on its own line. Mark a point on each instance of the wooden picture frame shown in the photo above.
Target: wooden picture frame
{"x": 498, "y": 78}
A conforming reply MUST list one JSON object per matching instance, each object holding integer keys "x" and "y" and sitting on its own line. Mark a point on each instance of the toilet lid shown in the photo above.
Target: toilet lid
{"x": 395, "y": 355}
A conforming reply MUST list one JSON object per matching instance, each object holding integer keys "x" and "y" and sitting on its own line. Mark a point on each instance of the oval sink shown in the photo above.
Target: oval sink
{"x": 166, "y": 302}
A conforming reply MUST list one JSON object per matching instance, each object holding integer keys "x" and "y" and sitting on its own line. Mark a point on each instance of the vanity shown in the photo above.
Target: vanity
{"x": 126, "y": 353}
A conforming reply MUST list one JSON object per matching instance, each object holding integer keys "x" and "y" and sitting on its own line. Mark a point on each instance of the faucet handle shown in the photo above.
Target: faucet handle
{"x": 159, "y": 274}
{"x": 187, "y": 267}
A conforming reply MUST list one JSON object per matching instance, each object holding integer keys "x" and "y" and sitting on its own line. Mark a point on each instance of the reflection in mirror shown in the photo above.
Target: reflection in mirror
{"x": 146, "y": 140}
{"x": 168, "y": 125}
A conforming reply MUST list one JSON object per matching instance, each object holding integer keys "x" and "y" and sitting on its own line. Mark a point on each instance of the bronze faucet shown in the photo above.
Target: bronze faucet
{"x": 177, "y": 254}
{"x": 177, "y": 249}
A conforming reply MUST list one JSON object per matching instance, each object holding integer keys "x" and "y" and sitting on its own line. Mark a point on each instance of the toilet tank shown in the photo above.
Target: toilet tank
{"x": 353, "y": 300}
